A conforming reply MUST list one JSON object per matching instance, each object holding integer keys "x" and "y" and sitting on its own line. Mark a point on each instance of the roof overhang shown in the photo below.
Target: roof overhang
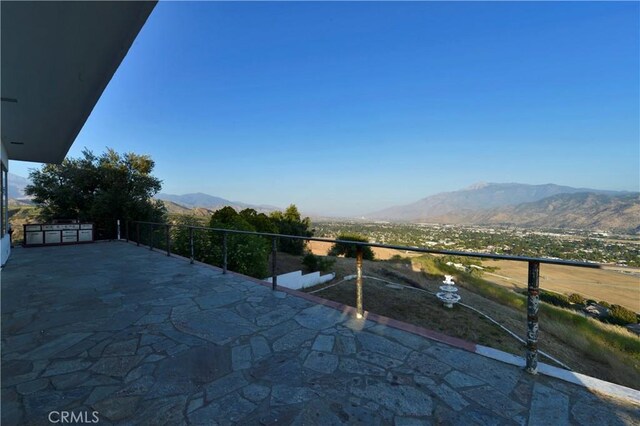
{"x": 57, "y": 59}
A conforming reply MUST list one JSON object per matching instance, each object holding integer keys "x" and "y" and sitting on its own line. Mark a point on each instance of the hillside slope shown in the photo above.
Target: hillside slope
{"x": 16, "y": 185}
{"x": 210, "y": 202}
{"x": 577, "y": 211}
{"x": 483, "y": 196}
{"x": 174, "y": 208}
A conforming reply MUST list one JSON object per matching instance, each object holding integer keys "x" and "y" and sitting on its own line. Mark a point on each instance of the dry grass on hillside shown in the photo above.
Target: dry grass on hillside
{"x": 584, "y": 344}
{"x": 599, "y": 284}
{"x": 20, "y": 215}
{"x": 424, "y": 310}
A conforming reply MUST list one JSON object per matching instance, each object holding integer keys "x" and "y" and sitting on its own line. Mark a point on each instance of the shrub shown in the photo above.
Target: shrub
{"x": 621, "y": 316}
{"x": 555, "y": 299}
{"x": 310, "y": 260}
{"x": 605, "y": 304}
{"x": 576, "y": 298}
{"x": 316, "y": 263}
{"x": 325, "y": 264}
{"x": 180, "y": 241}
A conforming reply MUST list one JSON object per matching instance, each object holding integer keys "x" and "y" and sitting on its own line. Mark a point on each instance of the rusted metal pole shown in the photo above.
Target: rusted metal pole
{"x": 168, "y": 237}
{"x": 274, "y": 274}
{"x": 191, "y": 244}
{"x": 533, "y": 304}
{"x": 359, "y": 308}
{"x": 138, "y": 234}
{"x": 224, "y": 252}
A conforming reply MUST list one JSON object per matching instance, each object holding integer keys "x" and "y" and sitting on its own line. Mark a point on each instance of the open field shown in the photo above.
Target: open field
{"x": 609, "y": 285}
{"x": 321, "y": 249}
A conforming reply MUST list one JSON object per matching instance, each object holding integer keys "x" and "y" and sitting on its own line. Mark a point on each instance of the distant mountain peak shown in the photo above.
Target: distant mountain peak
{"x": 478, "y": 185}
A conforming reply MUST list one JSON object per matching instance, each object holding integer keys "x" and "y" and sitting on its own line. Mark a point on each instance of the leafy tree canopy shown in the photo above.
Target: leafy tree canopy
{"x": 181, "y": 241}
{"x": 290, "y": 222}
{"x": 246, "y": 254}
{"x": 99, "y": 189}
{"x": 260, "y": 221}
{"x": 349, "y": 250}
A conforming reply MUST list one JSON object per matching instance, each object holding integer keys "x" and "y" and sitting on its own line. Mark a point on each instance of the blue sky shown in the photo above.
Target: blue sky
{"x": 346, "y": 108}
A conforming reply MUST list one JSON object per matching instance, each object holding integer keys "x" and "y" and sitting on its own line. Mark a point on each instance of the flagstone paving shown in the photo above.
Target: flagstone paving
{"x": 146, "y": 339}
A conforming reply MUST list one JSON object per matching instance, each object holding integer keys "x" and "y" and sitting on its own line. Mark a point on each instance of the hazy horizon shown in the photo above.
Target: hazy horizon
{"x": 347, "y": 108}
{"x": 358, "y": 214}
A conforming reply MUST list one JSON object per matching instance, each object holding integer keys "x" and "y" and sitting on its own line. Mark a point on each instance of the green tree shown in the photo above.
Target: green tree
{"x": 180, "y": 239}
{"x": 290, "y": 222}
{"x": 260, "y": 221}
{"x": 349, "y": 250}
{"x": 555, "y": 299}
{"x": 98, "y": 189}
{"x": 246, "y": 254}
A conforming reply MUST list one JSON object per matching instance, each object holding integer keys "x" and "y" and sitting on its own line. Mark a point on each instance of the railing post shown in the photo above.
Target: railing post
{"x": 138, "y": 234}
{"x": 126, "y": 228}
{"x": 274, "y": 264}
{"x": 533, "y": 304}
{"x": 224, "y": 252}
{"x": 152, "y": 227}
{"x": 191, "y": 243}
{"x": 118, "y": 223}
{"x": 168, "y": 239}
{"x": 359, "y": 309}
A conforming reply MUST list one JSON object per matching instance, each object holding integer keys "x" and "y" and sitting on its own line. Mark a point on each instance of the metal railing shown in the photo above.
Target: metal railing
{"x": 533, "y": 279}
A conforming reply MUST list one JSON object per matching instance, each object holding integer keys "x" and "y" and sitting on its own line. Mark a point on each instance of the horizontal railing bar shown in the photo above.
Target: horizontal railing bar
{"x": 397, "y": 247}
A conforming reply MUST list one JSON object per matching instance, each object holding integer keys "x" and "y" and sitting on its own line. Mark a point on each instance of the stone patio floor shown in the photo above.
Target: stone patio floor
{"x": 142, "y": 338}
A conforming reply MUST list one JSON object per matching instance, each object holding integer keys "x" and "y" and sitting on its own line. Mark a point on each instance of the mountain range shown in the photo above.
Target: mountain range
{"x": 548, "y": 206}
{"x": 583, "y": 210}
{"x": 540, "y": 206}
{"x": 210, "y": 202}
{"x": 174, "y": 208}
{"x": 16, "y": 185}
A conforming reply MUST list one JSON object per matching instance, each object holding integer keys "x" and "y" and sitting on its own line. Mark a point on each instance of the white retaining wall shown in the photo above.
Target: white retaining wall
{"x": 295, "y": 280}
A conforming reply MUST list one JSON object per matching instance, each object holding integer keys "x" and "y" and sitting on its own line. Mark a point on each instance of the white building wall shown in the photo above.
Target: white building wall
{"x": 5, "y": 244}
